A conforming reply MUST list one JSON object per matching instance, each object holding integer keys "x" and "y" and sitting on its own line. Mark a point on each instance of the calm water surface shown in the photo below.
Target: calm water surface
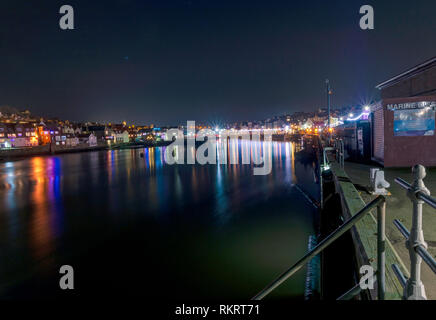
{"x": 135, "y": 226}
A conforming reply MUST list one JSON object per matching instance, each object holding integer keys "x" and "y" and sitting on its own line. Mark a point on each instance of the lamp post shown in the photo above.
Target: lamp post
{"x": 328, "y": 91}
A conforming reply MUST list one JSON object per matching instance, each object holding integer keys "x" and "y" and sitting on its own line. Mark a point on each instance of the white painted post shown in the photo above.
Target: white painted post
{"x": 342, "y": 153}
{"x": 414, "y": 289}
{"x": 381, "y": 246}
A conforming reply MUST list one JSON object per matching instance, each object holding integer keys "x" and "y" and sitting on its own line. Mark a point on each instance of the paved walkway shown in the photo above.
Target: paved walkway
{"x": 399, "y": 207}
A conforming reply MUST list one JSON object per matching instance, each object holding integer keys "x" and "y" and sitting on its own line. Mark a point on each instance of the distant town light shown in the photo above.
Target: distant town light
{"x": 366, "y": 108}
{"x": 364, "y": 116}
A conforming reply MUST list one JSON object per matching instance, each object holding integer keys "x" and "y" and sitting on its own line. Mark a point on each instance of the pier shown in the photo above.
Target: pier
{"x": 355, "y": 241}
{"x": 364, "y": 234}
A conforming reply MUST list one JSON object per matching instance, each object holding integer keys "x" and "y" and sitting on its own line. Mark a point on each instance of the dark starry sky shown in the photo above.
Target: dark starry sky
{"x": 166, "y": 62}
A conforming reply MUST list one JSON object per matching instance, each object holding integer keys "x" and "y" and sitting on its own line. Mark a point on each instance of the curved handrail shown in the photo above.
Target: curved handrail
{"x": 320, "y": 247}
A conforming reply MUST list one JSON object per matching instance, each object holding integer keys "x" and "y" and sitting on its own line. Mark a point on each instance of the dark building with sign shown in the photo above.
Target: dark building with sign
{"x": 403, "y": 122}
{"x": 356, "y": 136}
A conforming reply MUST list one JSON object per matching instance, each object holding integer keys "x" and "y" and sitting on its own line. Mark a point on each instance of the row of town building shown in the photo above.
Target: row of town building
{"x": 300, "y": 119}
{"x": 18, "y": 134}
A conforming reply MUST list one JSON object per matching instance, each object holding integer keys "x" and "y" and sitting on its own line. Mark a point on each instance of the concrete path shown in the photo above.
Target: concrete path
{"x": 399, "y": 207}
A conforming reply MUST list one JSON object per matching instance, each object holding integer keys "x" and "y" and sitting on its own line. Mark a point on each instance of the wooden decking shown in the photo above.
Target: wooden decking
{"x": 365, "y": 233}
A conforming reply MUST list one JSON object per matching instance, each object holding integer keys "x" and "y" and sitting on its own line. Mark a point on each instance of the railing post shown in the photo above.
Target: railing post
{"x": 321, "y": 196}
{"x": 381, "y": 242}
{"x": 343, "y": 153}
{"x": 340, "y": 152}
{"x": 415, "y": 288}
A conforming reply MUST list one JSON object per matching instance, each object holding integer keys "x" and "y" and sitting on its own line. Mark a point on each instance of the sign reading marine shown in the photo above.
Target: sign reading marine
{"x": 412, "y": 105}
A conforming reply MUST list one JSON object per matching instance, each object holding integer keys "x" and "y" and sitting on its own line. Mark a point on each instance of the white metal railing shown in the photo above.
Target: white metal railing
{"x": 339, "y": 151}
{"x": 325, "y": 162}
{"x": 378, "y": 202}
{"x": 415, "y": 243}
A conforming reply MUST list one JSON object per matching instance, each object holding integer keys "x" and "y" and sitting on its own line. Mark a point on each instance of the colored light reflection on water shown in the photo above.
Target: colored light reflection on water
{"x": 209, "y": 230}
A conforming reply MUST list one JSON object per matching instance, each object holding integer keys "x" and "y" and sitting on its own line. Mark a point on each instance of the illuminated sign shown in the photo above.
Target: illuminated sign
{"x": 414, "y": 122}
{"x": 362, "y": 116}
{"x": 412, "y": 105}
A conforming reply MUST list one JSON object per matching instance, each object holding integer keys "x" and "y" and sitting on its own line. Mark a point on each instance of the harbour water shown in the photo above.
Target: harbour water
{"x": 134, "y": 226}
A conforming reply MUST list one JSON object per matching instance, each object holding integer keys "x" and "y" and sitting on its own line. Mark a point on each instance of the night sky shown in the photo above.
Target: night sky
{"x": 165, "y": 62}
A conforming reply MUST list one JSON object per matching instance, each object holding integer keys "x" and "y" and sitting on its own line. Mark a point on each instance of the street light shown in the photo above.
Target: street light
{"x": 327, "y": 82}
{"x": 329, "y": 92}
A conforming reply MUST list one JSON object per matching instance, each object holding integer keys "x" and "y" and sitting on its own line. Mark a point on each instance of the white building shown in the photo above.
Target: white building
{"x": 92, "y": 140}
{"x": 121, "y": 137}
